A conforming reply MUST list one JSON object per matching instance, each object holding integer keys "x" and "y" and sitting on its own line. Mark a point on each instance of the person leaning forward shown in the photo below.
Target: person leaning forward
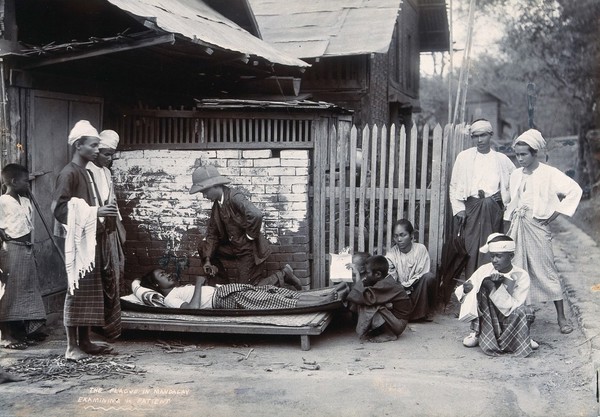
{"x": 233, "y": 232}
{"x": 479, "y": 192}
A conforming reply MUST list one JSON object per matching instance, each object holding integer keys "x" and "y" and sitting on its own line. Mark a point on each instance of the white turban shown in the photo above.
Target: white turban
{"x": 481, "y": 126}
{"x": 497, "y": 242}
{"x": 82, "y": 128}
{"x": 533, "y": 138}
{"x": 109, "y": 139}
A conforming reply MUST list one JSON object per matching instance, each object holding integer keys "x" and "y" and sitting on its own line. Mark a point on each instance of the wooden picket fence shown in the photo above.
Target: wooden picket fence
{"x": 364, "y": 180}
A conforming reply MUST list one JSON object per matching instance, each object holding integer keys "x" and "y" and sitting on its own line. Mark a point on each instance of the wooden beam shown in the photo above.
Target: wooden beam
{"x": 126, "y": 46}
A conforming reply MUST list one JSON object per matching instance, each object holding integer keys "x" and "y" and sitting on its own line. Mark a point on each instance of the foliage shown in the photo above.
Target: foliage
{"x": 551, "y": 43}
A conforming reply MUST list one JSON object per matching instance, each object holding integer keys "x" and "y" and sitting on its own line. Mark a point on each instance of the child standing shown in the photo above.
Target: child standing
{"x": 22, "y": 310}
{"x": 75, "y": 208}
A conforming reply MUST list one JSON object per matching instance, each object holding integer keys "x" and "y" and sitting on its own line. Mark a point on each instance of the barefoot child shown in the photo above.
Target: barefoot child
{"x": 75, "y": 208}
{"x": 22, "y": 310}
{"x": 382, "y": 304}
{"x": 230, "y": 296}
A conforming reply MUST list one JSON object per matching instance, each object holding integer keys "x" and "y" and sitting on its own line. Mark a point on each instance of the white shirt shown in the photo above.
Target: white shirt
{"x": 508, "y": 296}
{"x": 180, "y": 295}
{"x": 406, "y": 268}
{"x": 548, "y": 190}
{"x": 16, "y": 216}
{"x": 461, "y": 182}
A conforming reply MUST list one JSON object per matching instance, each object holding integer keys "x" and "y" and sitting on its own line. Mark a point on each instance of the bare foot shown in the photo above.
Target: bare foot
{"x": 96, "y": 348}
{"x": 4, "y": 378}
{"x": 75, "y": 354}
{"x": 384, "y": 337}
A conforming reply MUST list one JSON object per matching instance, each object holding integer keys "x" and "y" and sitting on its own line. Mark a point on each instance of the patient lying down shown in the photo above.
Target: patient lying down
{"x": 231, "y": 296}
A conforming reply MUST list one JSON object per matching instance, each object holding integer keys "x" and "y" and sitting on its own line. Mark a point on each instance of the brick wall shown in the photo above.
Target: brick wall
{"x": 165, "y": 223}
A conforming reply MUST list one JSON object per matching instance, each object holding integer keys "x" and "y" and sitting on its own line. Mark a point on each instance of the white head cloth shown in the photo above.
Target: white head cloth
{"x": 109, "y": 139}
{"x": 497, "y": 242}
{"x": 533, "y": 138}
{"x": 481, "y": 126}
{"x": 82, "y": 128}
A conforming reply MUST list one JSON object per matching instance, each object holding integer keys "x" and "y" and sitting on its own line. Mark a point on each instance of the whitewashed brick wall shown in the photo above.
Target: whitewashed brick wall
{"x": 162, "y": 218}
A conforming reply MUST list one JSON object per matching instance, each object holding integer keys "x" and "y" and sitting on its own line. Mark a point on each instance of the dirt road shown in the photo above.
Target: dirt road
{"x": 427, "y": 372}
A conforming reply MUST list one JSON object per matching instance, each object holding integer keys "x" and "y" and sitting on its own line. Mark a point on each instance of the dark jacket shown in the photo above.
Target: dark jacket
{"x": 386, "y": 291}
{"x": 232, "y": 222}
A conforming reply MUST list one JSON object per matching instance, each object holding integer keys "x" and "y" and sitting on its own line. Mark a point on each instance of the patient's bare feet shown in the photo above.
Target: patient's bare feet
{"x": 290, "y": 278}
{"x": 75, "y": 354}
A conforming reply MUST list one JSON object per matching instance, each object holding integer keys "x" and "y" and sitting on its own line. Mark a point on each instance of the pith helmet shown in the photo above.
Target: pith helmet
{"x": 206, "y": 177}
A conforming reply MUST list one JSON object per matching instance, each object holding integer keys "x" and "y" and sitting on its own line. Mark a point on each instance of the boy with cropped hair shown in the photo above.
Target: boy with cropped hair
{"x": 382, "y": 304}
{"x": 22, "y": 312}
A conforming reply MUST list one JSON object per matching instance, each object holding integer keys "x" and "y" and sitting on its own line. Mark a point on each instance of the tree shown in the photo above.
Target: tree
{"x": 555, "y": 45}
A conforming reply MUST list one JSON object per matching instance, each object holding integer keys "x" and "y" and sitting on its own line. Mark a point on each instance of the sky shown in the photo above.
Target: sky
{"x": 487, "y": 32}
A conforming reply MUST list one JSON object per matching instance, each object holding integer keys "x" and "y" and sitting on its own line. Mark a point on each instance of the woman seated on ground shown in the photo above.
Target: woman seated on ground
{"x": 410, "y": 266}
{"x": 231, "y": 296}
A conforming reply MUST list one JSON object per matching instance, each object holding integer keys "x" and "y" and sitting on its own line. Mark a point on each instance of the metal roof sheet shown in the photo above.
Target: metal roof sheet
{"x": 316, "y": 28}
{"x": 201, "y": 24}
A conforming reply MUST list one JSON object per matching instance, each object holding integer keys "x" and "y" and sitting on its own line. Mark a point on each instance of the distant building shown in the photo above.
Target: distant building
{"x": 364, "y": 54}
{"x": 483, "y": 104}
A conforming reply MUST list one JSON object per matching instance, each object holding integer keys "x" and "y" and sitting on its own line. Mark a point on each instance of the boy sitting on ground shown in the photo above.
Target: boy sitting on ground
{"x": 504, "y": 319}
{"x": 382, "y": 304}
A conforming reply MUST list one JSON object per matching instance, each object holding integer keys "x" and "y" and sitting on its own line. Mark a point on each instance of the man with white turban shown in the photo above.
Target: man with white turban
{"x": 479, "y": 192}
{"x": 113, "y": 231}
{"x": 499, "y": 290}
{"x": 76, "y": 206}
{"x": 538, "y": 194}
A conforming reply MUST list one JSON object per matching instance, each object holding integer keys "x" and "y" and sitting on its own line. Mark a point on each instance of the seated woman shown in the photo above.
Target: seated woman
{"x": 410, "y": 266}
{"x": 231, "y": 296}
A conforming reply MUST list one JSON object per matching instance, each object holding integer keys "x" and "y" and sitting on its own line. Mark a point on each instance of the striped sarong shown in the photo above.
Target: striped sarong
{"x": 112, "y": 256}
{"x": 250, "y": 297}
{"x": 85, "y": 307}
{"x": 22, "y": 300}
{"x": 499, "y": 335}
{"x": 534, "y": 254}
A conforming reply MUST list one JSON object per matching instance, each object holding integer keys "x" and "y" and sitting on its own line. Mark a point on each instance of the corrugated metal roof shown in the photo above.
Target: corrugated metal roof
{"x": 199, "y": 23}
{"x": 317, "y": 28}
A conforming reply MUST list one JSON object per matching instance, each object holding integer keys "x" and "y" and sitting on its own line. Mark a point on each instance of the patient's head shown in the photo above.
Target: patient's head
{"x": 158, "y": 279}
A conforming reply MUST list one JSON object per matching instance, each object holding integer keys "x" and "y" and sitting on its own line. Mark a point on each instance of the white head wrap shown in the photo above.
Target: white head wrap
{"x": 109, "y": 139}
{"x": 82, "y": 128}
{"x": 481, "y": 126}
{"x": 533, "y": 138}
{"x": 497, "y": 242}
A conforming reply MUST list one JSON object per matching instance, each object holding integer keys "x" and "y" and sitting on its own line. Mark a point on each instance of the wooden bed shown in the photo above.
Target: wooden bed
{"x": 304, "y": 322}
{"x": 303, "y": 325}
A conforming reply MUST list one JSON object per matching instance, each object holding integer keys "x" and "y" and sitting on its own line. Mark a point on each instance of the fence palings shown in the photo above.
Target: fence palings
{"x": 362, "y": 203}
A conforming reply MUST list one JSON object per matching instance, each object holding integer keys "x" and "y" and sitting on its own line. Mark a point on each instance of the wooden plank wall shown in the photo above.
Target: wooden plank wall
{"x": 375, "y": 176}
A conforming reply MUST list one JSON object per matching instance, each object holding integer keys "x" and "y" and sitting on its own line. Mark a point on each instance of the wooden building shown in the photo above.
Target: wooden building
{"x": 370, "y": 68}
{"x": 66, "y": 60}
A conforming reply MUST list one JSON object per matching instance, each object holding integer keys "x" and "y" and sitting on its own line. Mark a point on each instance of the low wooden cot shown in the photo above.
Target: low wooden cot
{"x": 304, "y": 322}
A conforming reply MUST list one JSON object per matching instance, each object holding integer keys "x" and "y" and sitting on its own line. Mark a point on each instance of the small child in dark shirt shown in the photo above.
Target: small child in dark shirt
{"x": 382, "y": 304}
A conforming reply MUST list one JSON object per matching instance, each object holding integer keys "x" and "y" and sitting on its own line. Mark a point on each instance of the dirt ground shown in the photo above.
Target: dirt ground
{"x": 427, "y": 372}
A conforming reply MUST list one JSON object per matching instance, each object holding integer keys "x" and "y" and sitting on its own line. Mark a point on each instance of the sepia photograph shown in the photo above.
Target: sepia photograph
{"x": 299, "y": 208}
